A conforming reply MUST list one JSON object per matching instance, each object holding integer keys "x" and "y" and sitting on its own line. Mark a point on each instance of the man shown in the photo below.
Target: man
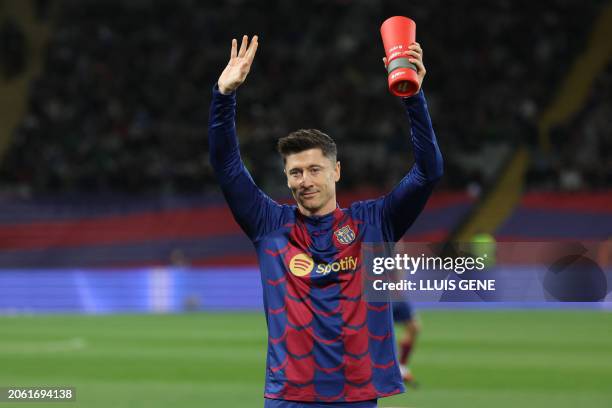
{"x": 327, "y": 346}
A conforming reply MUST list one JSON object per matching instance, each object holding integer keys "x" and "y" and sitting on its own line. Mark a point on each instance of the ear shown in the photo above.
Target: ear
{"x": 337, "y": 172}
{"x": 287, "y": 176}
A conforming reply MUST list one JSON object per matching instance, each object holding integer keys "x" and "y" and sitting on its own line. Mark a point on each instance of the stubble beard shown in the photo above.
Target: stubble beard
{"x": 316, "y": 205}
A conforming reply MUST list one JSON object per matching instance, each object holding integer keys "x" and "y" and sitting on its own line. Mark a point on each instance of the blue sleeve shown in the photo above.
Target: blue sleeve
{"x": 256, "y": 213}
{"x": 406, "y": 201}
{"x": 396, "y": 211}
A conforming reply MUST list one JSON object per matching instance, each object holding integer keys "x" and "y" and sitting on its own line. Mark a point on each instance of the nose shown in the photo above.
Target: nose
{"x": 305, "y": 182}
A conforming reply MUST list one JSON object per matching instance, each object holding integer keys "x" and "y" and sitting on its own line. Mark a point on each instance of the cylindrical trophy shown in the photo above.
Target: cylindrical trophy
{"x": 397, "y": 34}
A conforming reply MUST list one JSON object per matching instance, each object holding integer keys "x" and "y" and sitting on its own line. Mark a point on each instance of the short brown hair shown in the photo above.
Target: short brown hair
{"x": 305, "y": 139}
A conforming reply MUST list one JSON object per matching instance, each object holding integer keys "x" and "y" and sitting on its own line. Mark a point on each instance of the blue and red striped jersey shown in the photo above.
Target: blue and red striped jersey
{"x": 326, "y": 342}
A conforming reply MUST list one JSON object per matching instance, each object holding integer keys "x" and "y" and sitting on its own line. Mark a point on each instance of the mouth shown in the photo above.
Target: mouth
{"x": 309, "y": 194}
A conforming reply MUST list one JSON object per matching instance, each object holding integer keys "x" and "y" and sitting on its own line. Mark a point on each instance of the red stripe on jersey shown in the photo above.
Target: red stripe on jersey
{"x": 329, "y": 370}
{"x": 356, "y": 342}
{"x": 298, "y": 313}
{"x": 277, "y": 311}
{"x": 324, "y": 341}
{"x": 299, "y": 343}
{"x": 378, "y": 308}
{"x": 353, "y": 313}
{"x": 384, "y": 366}
{"x": 277, "y": 281}
{"x": 333, "y": 312}
{"x": 280, "y": 366}
{"x": 300, "y": 371}
{"x": 277, "y": 253}
{"x": 379, "y": 338}
{"x": 276, "y": 340}
{"x": 358, "y": 370}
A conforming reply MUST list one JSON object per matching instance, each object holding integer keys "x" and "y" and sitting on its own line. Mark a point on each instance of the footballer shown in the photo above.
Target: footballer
{"x": 327, "y": 345}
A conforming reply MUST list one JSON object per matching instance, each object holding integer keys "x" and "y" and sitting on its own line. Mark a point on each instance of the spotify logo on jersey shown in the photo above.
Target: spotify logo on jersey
{"x": 301, "y": 265}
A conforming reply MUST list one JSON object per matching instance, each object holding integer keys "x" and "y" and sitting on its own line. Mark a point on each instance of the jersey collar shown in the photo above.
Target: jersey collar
{"x": 322, "y": 219}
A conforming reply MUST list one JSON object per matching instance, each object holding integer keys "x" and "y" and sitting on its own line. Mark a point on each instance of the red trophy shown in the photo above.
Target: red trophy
{"x": 397, "y": 34}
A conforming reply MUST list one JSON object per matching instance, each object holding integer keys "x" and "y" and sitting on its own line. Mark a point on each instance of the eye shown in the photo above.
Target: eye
{"x": 315, "y": 170}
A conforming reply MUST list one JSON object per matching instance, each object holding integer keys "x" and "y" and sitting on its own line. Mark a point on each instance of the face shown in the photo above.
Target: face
{"x": 312, "y": 179}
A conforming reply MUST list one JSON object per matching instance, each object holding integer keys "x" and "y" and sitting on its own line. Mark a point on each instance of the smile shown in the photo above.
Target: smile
{"x": 309, "y": 194}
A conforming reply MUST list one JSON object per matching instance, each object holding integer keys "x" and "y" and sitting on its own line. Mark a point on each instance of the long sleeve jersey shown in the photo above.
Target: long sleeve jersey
{"x": 326, "y": 342}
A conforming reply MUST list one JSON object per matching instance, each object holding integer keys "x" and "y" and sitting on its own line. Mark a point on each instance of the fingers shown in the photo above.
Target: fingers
{"x": 234, "y": 51}
{"x": 416, "y": 47}
{"x": 243, "y": 46}
{"x": 419, "y": 65}
{"x": 250, "y": 54}
{"x": 415, "y": 51}
{"x": 414, "y": 54}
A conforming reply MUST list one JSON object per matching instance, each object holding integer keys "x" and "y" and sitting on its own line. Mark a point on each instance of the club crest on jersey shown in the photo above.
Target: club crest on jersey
{"x": 345, "y": 235}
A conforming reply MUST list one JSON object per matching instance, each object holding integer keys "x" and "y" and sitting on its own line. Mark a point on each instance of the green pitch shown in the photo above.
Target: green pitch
{"x": 463, "y": 359}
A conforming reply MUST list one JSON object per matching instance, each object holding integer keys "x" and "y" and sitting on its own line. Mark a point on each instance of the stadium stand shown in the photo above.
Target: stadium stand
{"x": 122, "y": 103}
{"x": 107, "y": 167}
{"x": 119, "y": 233}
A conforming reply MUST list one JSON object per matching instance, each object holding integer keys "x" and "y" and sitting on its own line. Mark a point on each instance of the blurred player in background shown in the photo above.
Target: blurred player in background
{"x": 328, "y": 346}
{"x": 404, "y": 315}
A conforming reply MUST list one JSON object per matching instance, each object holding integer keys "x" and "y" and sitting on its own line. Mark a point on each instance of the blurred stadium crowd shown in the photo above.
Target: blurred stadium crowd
{"x": 122, "y": 103}
{"x": 582, "y": 158}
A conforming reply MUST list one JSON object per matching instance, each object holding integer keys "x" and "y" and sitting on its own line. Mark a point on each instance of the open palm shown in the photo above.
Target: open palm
{"x": 239, "y": 65}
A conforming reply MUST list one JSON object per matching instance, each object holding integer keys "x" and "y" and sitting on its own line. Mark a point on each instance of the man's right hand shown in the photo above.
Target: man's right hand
{"x": 238, "y": 66}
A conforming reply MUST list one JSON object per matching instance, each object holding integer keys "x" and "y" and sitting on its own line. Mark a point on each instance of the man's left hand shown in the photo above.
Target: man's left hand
{"x": 415, "y": 56}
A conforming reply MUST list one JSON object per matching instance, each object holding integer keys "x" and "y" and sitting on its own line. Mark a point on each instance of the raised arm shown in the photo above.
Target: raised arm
{"x": 254, "y": 211}
{"x": 406, "y": 201}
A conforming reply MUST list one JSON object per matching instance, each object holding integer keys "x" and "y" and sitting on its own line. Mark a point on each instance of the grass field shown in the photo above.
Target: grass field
{"x": 464, "y": 359}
